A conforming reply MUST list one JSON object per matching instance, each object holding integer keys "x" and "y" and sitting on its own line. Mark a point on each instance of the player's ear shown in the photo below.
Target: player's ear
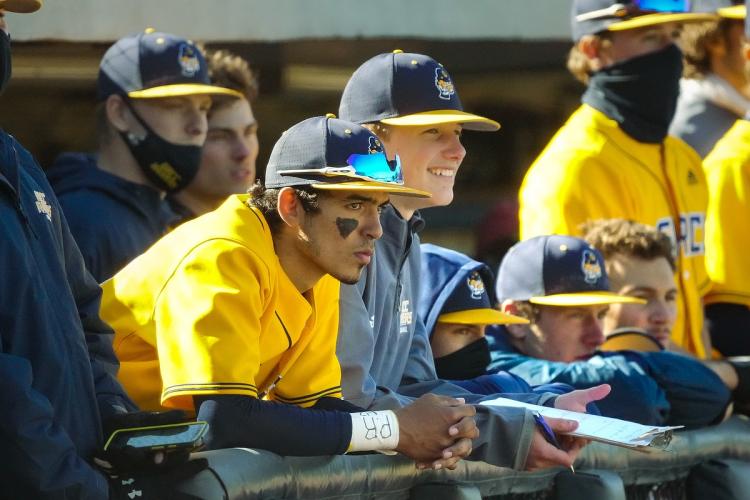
{"x": 595, "y": 50}
{"x": 289, "y": 207}
{"x": 517, "y": 332}
{"x": 116, "y": 111}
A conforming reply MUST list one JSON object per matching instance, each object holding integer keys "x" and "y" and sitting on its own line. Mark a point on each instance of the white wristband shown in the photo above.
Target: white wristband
{"x": 374, "y": 431}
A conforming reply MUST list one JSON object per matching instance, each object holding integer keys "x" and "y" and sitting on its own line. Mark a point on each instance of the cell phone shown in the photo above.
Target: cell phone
{"x": 186, "y": 435}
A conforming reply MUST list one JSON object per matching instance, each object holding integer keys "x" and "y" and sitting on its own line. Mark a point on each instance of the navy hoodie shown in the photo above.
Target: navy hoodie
{"x": 56, "y": 359}
{"x": 113, "y": 220}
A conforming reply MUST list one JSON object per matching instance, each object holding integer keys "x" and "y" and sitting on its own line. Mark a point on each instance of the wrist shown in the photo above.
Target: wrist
{"x": 374, "y": 431}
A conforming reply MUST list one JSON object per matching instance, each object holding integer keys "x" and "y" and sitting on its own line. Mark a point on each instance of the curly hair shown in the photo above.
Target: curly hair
{"x": 266, "y": 200}
{"x": 229, "y": 70}
{"x": 579, "y": 64}
{"x": 629, "y": 238}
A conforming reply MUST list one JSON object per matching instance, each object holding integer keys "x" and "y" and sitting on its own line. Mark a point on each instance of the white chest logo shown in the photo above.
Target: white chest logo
{"x": 42, "y": 205}
{"x": 405, "y": 316}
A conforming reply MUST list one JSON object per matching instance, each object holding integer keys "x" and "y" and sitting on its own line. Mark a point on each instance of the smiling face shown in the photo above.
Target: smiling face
{"x": 339, "y": 239}
{"x": 430, "y": 158}
{"x": 179, "y": 120}
{"x": 450, "y": 337}
{"x": 651, "y": 280}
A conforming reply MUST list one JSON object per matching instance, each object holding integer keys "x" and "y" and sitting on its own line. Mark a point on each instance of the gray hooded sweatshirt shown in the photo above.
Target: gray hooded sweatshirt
{"x": 385, "y": 354}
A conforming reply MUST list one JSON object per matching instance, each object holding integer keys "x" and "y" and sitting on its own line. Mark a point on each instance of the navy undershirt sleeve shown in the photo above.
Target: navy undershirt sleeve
{"x": 243, "y": 421}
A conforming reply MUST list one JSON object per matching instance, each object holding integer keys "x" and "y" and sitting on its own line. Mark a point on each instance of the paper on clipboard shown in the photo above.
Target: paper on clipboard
{"x": 605, "y": 429}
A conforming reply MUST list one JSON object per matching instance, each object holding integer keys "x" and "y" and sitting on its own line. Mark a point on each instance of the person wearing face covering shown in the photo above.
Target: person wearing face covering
{"x": 457, "y": 308}
{"x": 57, "y": 388}
{"x": 154, "y": 94}
{"x": 614, "y": 158}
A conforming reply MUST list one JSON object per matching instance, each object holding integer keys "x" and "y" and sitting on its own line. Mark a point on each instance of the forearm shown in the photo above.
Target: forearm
{"x": 725, "y": 371}
{"x": 241, "y": 421}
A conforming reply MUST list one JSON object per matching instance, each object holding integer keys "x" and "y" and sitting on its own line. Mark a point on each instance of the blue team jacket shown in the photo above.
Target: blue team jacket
{"x": 56, "y": 361}
{"x": 653, "y": 388}
{"x": 113, "y": 220}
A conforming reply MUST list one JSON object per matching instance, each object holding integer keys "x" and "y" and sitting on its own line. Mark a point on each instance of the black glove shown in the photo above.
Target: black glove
{"x": 130, "y": 459}
{"x": 160, "y": 485}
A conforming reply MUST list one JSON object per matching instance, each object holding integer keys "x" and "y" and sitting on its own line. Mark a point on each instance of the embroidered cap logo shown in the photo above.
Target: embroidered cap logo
{"x": 443, "y": 82}
{"x": 476, "y": 285}
{"x": 592, "y": 271}
{"x": 188, "y": 59}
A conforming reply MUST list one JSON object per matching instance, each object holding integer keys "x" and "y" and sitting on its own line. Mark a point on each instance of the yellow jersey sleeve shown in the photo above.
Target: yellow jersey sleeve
{"x": 727, "y": 169}
{"x": 207, "y": 323}
{"x": 316, "y": 372}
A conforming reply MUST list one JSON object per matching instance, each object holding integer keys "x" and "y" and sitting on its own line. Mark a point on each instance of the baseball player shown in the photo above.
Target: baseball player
{"x": 233, "y": 315}
{"x": 56, "y": 389}
{"x": 613, "y": 157}
{"x": 410, "y": 101}
{"x": 154, "y": 94}
{"x": 728, "y": 301}
{"x": 231, "y": 148}
{"x": 714, "y": 88}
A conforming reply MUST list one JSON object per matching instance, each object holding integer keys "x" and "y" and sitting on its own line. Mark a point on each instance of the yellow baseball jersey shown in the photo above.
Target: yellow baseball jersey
{"x": 209, "y": 310}
{"x": 727, "y": 170}
{"x": 592, "y": 170}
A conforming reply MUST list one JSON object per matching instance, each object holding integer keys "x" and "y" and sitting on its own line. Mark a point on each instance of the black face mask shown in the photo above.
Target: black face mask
{"x": 468, "y": 362}
{"x": 6, "y": 63}
{"x": 170, "y": 167}
{"x": 640, "y": 94}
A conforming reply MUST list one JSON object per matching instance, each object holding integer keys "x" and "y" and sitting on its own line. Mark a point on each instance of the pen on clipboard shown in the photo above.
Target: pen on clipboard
{"x": 548, "y": 433}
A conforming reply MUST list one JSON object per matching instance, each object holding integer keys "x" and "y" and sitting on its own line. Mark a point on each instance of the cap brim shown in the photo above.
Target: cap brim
{"x": 584, "y": 299}
{"x": 734, "y": 12}
{"x": 468, "y": 120}
{"x": 372, "y": 186}
{"x": 661, "y": 18}
{"x": 182, "y": 89}
{"x": 21, "y": 6}
{"x": 481, "y": 317}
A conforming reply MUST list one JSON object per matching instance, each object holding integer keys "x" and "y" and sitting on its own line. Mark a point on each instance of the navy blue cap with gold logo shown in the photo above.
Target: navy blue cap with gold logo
{"x": 332, "y": 154}
{"x": 151, "y": 64}
{"x": 556, "y": 270}
{"x": 399, "y": 88}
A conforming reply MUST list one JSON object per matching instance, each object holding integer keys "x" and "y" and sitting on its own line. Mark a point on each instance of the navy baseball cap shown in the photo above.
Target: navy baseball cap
{"x": 469, "y": 304}
{"x": 556, "y": 270}
{"x": 589, "y": 17}
{"x": 21, "y": 6}
{"x": 331, "y": 154}
{"x": 399, "y": 88}
{"x": 153, "y": 65}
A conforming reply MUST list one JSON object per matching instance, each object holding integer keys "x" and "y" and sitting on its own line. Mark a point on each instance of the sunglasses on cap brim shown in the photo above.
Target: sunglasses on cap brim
{"x": 373, "y": 167}
{"x": 637, "y": 7}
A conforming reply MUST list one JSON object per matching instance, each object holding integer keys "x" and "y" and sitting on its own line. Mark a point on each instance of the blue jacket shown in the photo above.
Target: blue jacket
{"x": 56, "y": 361}
{"x": 652, "y": 388}
{"x": 442, "y": 271}
{"x": 113, "y": 220}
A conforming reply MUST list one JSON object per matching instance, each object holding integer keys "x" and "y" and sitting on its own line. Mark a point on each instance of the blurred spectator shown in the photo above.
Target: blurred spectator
{"x": 228, "y": 162}
{"x": 154, "y": 95}
{"x": 728, "y": 237}
{"x": 715, "y": 88}
{"x": 640, "y": 263}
